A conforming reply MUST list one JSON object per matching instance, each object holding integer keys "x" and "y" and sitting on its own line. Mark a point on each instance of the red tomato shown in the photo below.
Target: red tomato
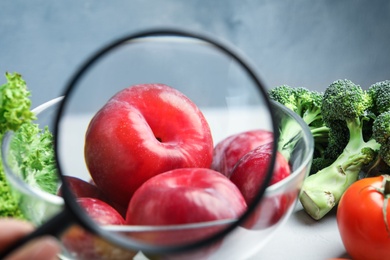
{"x": 363, "y": 219}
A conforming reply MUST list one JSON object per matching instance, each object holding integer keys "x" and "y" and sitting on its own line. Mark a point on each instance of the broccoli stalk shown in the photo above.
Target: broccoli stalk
{"x": 322, "y": 191}
{"x": 344, "y": 105}
{"x": 288, "y": 139}
{"x": 307, "y": 105}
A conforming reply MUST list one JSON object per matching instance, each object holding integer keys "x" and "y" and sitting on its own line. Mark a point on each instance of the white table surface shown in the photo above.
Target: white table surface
{"x": 304, "y": 238}
{"x": 301, "y": 238}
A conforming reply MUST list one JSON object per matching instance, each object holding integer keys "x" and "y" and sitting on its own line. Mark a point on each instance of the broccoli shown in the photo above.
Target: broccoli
{"x": 381, "y": 133}
{"x": 379, "y": 128}
{"x": 318, "y": 163}
{"x": 331, "y": 148}
{"x": 347, "y": 106}
{"x": 32, "y": 149}
{"x": 379, "y": 93}
{"x": 306, "y": 104}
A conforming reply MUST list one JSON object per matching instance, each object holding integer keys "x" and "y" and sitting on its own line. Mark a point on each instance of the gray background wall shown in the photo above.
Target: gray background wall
{"x": 300, "y": 43}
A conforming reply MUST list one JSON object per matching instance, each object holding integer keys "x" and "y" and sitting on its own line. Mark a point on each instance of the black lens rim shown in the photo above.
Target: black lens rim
{"x": 71, "y": 204}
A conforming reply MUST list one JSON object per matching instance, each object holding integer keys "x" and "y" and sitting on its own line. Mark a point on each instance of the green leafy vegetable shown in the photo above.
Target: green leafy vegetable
{"x": 32, "y": 148}
{"x": 15, "y": 103}
{"x": 8, "y": 205}
{"x": 33, "y": 156}
{"x": 14, "y": 111}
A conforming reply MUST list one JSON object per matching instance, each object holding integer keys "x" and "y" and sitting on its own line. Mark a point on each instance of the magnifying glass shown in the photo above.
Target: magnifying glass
{"x": 152, "y": 106}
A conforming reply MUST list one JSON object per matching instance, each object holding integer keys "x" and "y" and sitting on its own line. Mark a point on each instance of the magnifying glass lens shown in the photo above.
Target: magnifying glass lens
{"x": 137, "y": 138}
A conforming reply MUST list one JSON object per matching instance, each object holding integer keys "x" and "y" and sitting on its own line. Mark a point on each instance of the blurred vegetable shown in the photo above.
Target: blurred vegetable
{"x": 363, "y": 218}
{"x": 14, "y": 103}
{"x": 32, "y": 155}
{"x": 14, "y": 111}
{"x": 33, "y": 148}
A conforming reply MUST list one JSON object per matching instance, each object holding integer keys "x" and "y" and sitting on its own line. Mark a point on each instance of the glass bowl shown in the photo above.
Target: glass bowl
{"x": 243, "y": 242}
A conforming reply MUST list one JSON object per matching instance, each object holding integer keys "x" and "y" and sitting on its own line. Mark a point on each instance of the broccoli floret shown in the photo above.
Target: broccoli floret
{"x": 345, "y": 105}
{"x": 307, "y": 104}
{"x": 379, "y": 93}
{"x": 380, "y": 128}
{"x": 285, "y": 95}
{"x": 381, "y": 133}
{"x": 343, "y": 100}
{"x": 319, "y": 163}
{"x": 337, "y": 140}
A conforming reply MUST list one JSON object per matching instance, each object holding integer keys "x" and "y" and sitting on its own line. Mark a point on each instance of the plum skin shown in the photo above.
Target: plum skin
{"x": 140, "y": 132}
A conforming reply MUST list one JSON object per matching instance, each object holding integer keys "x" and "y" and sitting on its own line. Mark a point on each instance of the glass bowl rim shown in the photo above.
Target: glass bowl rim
{"x": 58, "y": 201}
